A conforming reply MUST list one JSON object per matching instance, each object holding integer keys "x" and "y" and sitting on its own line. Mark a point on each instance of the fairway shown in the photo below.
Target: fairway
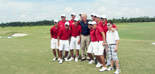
{"x": 32, "y": 54}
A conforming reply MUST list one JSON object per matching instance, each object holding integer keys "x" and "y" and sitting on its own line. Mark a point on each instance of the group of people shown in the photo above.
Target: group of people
{"x": 98, "y": 37}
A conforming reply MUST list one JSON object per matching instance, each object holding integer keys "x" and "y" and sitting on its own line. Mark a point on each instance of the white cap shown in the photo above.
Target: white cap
{"x": 97, "y": 16}
{"x": 89, "y": 22}
{"x": 76, "y": 19}
{"x": 93, "y": 22}
{"x": 73, "y": 14}
{"x": 63, "y": 15}
{"x": 103, "y": 16}
{"x": 67, "y": 23}
{"x": 93, "y": 14}
{"x": 80, "y": 13}
{"x": 56, "y": 21}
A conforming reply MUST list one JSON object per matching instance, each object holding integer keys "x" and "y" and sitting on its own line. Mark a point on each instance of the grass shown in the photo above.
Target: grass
{"x": 32, "y": 54}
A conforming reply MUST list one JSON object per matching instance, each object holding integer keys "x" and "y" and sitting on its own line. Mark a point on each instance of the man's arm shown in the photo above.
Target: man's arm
{"x": 117, "y": 43}
{"x": 79, "y": 39}
{"x": 58, "y": 40}
{"x": 103, "y": 35}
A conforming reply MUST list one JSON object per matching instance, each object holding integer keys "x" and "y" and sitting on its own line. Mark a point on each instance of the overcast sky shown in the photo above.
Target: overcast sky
{"x": 35, "y": 10}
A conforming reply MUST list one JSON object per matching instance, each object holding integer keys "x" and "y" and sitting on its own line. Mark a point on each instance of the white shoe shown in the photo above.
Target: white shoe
{"x": 60, "y": 61}
{"x": 71, "y": 59}
{"x": 102, "y": 69}
{"x": 110, "y": 68}
{"x": 91, "y": 62}
{"x": 66, "y": 60}
{"x": 54, "y": 58}
{"x": 98, "y": 65}
{"x": 76, "y": 59}
{"x": 117, "y": 71}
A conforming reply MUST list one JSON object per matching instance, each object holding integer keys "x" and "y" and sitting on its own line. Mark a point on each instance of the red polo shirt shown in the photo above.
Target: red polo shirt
{"x": 61, "y": 24}
{"x": 105, "y": 28}
{"x": 76, "y": 30}
{"x": 64, "y": 34}
{"x": 92, "y": 35}
{"x": 54, "y": 32}
{"x": 71, "y": 21}
{"x": 98, "y": 33}
{"x": 99, "y": 23}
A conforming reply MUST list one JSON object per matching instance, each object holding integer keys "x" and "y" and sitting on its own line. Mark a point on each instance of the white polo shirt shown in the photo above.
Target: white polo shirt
{"x": 111, "y": 37}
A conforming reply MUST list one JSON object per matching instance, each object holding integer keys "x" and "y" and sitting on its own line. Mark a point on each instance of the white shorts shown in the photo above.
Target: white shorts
{"x": 74, "y": 43}
{"x": 100, "y": 48}
{"x": 64, "y": 45}
{"x": 92, "y": 47}
{"x": 54, "y": 43}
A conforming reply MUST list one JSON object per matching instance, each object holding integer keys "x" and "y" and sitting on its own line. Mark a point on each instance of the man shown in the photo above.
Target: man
{"x": 85, "y": 37}
{"x": 112, "y": 48}
{"x": 73, "y": 15}
{"x": 97, "y": 19}
{"x": 93, "y": 44}
{"x": 54, "y": 42}
{"x": 64, "y": 36}
{"x": 93, "y": 16}
{"x": 103, "y": 25}
{"x": 63, "y": 20}
{"x": 75, "y": 39}
{"x": 100, "y": 46}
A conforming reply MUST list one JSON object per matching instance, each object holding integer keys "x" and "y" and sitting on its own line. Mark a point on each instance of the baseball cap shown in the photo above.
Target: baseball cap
{"x": 90, "y": 23}
{"x": 63, "y": 15}
{"x": 103, "y": 16}
{"x": 73, "y": 14}
{"x": 93, "y": 14}
{"x": 76, "y": 19}
{"x": 67, "y": 23}
{"x": 55, "y": 20}
{"x": 97, "y": 16}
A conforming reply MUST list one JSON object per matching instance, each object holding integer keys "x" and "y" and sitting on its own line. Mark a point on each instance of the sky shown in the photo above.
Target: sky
{"x": 37, "y": 10}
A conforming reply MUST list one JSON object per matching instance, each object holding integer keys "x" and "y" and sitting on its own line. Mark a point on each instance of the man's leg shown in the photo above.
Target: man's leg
{"x": 83, "y": 44}
{"x": 54, "y": 53}
{"x": 87, "y": 44}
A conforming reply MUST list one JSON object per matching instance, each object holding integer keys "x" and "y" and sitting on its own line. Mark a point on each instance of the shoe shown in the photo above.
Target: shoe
{"x": 66, "y": 60}
{"x": 71, "y": 59}
{"x": 98, "y": 65}
{"x": 60, "y": 62}
{"x": 117, "y": 71}
{"x": 110, "y": 68}
{"x": 102, "y": 69}
{"x": 83, "y": 59}
{"x": 91, "y": 62}
{"x": 54, "y": 58}
{"x": 76, "y": 59}
{"x": 58, "y": 59}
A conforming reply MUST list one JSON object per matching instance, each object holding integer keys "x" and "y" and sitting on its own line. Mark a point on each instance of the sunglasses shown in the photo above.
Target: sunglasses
{"x": 55, "y": 22}
{"x": 102, "y": 18}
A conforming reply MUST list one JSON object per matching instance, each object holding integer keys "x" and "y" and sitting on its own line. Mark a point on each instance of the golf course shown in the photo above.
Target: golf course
{"x": 31, "y": 54}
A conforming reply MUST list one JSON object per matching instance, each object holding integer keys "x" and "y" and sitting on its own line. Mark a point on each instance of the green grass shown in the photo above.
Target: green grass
{"x": 32, "y": 54}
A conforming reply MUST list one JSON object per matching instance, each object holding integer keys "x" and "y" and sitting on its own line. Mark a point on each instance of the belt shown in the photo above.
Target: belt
{"x": 111, "y": 44}
{"x": 85, "y": 35}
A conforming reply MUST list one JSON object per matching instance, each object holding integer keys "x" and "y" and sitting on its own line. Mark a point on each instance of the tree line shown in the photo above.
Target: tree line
{"x": 51, "y": 22}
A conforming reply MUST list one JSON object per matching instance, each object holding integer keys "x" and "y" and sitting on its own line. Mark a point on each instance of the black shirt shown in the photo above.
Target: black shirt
{"x": 85, "y": 29}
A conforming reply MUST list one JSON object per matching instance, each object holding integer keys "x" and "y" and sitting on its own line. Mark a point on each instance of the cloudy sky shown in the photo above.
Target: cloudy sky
{"x": 35, "y": 10}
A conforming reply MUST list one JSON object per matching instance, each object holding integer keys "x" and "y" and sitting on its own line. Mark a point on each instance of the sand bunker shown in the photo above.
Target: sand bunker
{"x": 18, "y": 35}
